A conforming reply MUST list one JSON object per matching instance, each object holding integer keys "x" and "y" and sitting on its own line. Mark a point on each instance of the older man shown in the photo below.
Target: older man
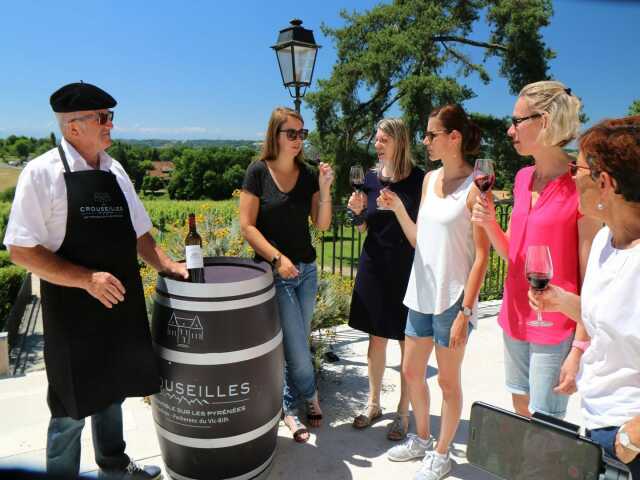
{"x": 77, "y": 223}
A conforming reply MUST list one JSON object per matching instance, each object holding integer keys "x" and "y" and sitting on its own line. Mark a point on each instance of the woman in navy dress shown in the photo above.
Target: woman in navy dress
{"x": 385, "y": 264}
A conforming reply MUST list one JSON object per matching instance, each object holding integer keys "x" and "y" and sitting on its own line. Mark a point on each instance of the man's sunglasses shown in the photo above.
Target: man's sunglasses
{"x": 515, "y": 121}
{"x": 102, "y": 117}
{"x": 293, "y": 134}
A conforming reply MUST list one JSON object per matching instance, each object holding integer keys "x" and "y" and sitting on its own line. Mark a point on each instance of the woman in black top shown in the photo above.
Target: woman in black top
{"x": 385, "y": 262}
{"x": 279, "y": 194}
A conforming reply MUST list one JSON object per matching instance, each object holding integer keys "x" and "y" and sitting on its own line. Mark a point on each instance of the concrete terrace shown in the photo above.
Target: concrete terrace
{"x": 335, "y": 451}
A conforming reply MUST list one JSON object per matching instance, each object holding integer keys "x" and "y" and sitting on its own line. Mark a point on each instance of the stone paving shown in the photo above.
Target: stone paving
{"x": 335, "y": 451}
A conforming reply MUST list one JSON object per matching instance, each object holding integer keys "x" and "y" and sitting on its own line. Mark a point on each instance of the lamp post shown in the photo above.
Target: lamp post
{"x": 296, "y": 52}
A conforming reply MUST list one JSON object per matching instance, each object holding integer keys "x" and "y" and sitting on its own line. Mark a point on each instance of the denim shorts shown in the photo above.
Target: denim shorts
{"x": 533, "y": 369}
{"x": 432, "y": 325}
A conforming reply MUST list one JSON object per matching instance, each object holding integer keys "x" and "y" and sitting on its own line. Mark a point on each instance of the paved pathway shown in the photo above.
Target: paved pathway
{"x": 336, "y": 451}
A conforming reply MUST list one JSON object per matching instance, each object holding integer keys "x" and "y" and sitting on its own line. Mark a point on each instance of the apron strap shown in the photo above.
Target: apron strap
{"x": 63, "y": 157}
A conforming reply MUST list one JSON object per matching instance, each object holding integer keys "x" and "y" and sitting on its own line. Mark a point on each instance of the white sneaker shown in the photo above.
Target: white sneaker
{"x": 434, "y": 467}
{"x": 412, "y": 447}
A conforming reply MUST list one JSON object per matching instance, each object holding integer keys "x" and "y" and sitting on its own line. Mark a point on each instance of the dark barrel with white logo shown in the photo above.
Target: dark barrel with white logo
{"x": 219, "y": 346}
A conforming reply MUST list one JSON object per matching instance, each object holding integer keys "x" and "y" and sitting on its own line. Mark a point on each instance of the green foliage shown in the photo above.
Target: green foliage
{"x": 5, "y": 209}
{"x": 395, "y": 54}
{"x": 8, "y": 194}
{"x": 333, "y": 302}
{"x": 5, "y": 261}
{"x": 167, "y": 214}
{"x": 152, "y": 184}
{"x": 634, "y": 109}
{"x": 11, "y": 278}
{"x": 135, "y": 160}
{"x": 209, "y": 173}
{"x": 497, "y": 146}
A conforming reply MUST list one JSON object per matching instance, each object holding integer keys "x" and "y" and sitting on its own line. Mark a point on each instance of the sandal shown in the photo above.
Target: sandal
{"x": 314, "y": 414}
{"x": 365, "y": 419}
{"x": 300, "y": 434}
{"x": 399, "y": 427}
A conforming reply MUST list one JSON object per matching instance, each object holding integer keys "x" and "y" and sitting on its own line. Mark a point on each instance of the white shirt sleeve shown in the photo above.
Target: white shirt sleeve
{"x": 139, "y": 216}
{"x": 27, "y": 226}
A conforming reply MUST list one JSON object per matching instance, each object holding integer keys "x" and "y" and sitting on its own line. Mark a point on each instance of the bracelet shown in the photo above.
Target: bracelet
{"x": 324, "y": 201}
{"x": 581, "y": 344}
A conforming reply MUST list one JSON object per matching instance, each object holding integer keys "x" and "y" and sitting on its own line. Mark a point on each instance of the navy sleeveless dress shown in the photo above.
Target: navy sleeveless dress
{"x": 385, "y": 262}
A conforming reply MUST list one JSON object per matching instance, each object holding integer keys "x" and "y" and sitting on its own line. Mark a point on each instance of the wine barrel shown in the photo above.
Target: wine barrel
{"x": 219, "y": 346}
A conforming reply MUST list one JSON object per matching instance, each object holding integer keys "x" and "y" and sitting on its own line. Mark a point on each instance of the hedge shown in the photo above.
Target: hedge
{"x": 11, "y": 278}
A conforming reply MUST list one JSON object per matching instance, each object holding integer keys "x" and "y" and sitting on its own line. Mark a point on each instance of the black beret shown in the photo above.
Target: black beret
{"x": 77, "y": 97}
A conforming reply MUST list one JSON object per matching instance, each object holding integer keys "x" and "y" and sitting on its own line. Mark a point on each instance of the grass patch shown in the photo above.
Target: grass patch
{"x": 9, "y": 177}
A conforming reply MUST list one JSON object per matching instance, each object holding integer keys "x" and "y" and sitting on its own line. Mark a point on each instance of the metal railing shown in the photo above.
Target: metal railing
{"x": 339, "y": 249}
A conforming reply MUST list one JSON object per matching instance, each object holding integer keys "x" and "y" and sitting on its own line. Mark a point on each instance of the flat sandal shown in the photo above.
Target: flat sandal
{"x": 364, "y": 420}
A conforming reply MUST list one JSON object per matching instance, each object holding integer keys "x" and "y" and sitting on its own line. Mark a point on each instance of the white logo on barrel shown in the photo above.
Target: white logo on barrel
{"x": 185, "y": 329}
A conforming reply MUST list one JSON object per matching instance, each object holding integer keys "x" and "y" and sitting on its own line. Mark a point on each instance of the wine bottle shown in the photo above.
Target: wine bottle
{"x": 193, "y": 252}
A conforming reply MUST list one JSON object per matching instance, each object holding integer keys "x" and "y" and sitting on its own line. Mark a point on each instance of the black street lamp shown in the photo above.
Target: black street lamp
{"x": 296, "y": 51}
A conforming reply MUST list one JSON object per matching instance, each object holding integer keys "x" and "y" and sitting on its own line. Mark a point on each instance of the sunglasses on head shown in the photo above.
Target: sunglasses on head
{"x": 102, "y": 117}
{"x": 292, "y": 134}
{"x": 515, "y": 121}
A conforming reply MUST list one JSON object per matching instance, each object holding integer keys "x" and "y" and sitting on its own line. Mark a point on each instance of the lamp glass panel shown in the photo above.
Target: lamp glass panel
{"x": 286, "y": 67}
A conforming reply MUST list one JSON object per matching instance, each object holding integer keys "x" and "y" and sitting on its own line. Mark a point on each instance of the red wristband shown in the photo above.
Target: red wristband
{"x": 581, "y": 344}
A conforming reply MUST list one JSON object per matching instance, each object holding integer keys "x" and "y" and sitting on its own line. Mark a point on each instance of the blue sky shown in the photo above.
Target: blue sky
{"x": 204, "y": 69}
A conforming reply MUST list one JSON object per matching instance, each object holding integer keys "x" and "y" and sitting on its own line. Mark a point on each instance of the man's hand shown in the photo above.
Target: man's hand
{"x": 177, "y": 270}
{"x": 105, "y": 288}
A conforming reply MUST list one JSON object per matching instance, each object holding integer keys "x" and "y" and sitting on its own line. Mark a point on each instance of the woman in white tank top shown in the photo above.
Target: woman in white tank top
{"x": 448, "y": 270}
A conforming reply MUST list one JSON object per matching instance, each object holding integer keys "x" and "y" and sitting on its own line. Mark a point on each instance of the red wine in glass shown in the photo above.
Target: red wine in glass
{"x": 538, "y": 280}
{"x": 385, "y": 180}
{"x": 485, "y": 182}
{"x": 357, "y": 186}
{"x": 539, "y": 271}
{"x": 483, "y": 175}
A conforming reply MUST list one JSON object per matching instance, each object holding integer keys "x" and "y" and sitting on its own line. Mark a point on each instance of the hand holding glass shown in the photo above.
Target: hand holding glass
{"x": 483, "y": 175}
{"x": 539, "y": 271}
{"x": 385, "y": 181}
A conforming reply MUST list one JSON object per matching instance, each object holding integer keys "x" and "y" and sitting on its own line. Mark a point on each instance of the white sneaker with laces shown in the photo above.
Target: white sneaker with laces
{"x": 434, "y": 467}
{"x": 413, "y": 447}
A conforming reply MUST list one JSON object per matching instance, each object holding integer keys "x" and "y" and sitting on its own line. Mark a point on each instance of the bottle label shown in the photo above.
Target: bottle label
{"x": 194, "y": 256}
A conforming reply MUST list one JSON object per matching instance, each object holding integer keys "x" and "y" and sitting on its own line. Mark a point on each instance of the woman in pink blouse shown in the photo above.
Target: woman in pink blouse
{"x": 541, "y": 363}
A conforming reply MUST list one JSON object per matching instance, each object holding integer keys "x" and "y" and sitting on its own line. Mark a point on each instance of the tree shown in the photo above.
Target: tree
{"x": 634, "y": 109}
{"x": 52, "y": 139}
{"x": 405, "y": 54}
{"x": 152, "y": 184}
{"x": 22, "y": 147}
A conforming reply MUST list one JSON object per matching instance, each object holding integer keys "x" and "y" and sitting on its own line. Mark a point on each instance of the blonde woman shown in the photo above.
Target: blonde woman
{"x": 385, "y": 263}
{"x": 541, "y": 363}
{"x": 279, "y": 194}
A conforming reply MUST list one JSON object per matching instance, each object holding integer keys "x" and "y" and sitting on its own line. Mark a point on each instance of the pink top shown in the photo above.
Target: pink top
{"x": 552, "y": 221}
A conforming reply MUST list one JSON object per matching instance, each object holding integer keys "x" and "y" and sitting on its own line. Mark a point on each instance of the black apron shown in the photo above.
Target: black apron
{"x": 96, "y": 356}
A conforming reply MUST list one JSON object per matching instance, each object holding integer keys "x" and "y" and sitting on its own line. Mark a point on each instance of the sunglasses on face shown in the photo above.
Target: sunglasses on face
{"x": 102, "y": 117}
{"x": 515, "y": 121}
{"x": 431, "y": 135}
{"x": 292, "y": 134}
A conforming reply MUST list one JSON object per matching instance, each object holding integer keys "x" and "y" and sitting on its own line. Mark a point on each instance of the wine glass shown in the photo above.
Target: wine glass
{"x": 539, "y": 271}
{"x": 483, "y": 175}
{"x": 356, "y": 178}
{"x": 385, "y": 180}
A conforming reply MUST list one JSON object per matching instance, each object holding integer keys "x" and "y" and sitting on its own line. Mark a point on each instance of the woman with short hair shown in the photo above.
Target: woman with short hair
{"x": 608, "y": 179}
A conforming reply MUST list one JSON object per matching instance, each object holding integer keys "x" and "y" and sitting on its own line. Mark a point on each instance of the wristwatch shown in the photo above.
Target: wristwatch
{"x": 625, "y": 441}
{"x": 466, "y": 311}
{"x": 274, "y": 260}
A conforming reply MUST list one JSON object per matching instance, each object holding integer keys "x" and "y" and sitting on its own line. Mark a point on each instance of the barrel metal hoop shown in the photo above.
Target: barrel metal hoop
{"x": 223, "y": 442}
{"x": 188, "y": 289}
{"x": 254, "y": 474}
{"x": 191, "y": 298}
{"x": 222, "y": 358}
{"x": 218, "y": 306}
